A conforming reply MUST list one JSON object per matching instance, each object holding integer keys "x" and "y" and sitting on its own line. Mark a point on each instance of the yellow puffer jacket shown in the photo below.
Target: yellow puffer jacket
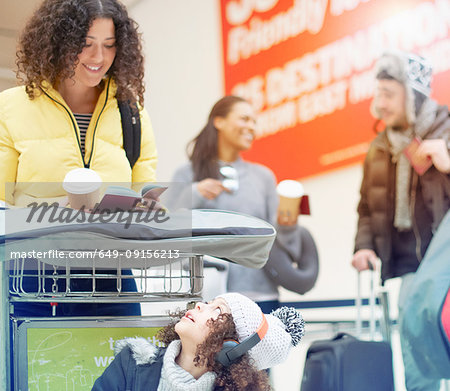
{"x": 39, "y": 144}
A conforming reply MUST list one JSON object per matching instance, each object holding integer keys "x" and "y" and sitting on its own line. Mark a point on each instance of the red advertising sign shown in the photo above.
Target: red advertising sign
{"x": 306, "y": 65}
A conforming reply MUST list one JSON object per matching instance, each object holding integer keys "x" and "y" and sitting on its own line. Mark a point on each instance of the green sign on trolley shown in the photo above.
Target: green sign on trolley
{"x": 71, "y": 358}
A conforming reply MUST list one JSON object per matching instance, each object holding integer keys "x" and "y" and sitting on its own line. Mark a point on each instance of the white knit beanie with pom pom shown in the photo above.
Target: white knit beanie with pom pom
{"x": 286, "y": 328}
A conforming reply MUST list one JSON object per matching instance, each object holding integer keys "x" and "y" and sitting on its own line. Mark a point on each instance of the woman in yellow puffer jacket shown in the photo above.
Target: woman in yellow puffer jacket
{"x": 76, "y": 60}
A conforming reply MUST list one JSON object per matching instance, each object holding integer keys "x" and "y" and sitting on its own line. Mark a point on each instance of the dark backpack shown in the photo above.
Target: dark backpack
{"x": 131, "y": 130}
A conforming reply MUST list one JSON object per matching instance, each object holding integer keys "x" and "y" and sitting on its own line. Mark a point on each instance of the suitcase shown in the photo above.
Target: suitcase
{"x": 346, "y": 363}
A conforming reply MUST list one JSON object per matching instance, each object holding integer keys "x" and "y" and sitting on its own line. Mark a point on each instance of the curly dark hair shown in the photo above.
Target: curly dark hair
{"x": 56, "y": 34}
{"x": 203, "y": 150}
{"x": 241, "y": 375}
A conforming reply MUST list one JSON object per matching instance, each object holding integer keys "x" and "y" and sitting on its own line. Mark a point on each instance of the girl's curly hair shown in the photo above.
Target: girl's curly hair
{"x": 56, "y": 34}
{"x": 241, "y": 375}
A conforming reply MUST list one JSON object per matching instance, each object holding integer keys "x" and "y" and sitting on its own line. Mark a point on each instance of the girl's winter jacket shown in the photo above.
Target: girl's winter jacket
{"x": 136, "y": 367}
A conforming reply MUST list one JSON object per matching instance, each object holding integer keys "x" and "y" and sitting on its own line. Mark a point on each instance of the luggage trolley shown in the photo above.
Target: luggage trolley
{"x": 69, "y": 353}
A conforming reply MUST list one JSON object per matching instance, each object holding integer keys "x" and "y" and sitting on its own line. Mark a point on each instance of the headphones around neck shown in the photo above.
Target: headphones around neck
{"x": 232, "y": 350}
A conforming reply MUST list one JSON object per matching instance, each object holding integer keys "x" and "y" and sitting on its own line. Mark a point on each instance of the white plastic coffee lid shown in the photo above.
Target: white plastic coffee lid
{"x": 290, "y": 189}
{"x": 81, "y": 181}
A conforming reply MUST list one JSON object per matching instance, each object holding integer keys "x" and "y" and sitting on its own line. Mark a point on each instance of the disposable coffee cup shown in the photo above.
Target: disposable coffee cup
{"x": 290, "y": 193}
{"x": 83, "y": 188}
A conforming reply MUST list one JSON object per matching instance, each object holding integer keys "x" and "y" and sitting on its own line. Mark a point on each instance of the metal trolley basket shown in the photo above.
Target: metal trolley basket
{"x": 180, "y": 278}
{"x": 73, "y": 263}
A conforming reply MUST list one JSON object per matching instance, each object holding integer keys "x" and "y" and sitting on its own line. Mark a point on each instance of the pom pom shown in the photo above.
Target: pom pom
{"x": 293, "y": 321}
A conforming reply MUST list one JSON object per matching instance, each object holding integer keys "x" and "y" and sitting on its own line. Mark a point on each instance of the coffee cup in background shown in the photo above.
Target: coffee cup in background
{"x": 290, "y": 193}
{"x": 83, "y": 188}
{"x": 230, "y": 178}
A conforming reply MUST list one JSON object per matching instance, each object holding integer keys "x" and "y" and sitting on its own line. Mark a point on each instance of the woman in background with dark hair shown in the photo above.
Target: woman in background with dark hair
{"x": 218, "y": 178}
{"x": 76, "y": 60}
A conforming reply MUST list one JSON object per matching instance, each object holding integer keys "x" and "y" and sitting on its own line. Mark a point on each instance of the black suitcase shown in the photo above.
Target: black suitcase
{"x": 346, "y": 363}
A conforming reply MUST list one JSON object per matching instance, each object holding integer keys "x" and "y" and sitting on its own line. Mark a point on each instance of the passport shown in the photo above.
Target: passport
{"x": 119, "y": 198}
{"x": 419, "y": 163}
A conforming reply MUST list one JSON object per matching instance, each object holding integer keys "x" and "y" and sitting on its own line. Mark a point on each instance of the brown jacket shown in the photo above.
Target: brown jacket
{"x": 376, "y": 207}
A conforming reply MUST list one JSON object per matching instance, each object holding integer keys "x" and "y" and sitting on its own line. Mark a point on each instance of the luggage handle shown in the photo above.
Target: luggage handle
{"x": 384, "y": 302}
{"x": 342, "y": 335}
{"x": 358, "y": 303}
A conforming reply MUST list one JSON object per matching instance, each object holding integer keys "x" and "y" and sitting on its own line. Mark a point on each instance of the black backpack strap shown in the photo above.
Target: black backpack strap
{"x": 131, "y": 130}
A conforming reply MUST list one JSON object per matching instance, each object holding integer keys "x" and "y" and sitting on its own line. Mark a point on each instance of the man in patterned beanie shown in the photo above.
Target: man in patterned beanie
{"x": 405, "y": 191}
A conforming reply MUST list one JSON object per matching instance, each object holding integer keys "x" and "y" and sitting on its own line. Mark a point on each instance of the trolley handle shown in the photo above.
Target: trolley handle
{"x": 216, "y": 265}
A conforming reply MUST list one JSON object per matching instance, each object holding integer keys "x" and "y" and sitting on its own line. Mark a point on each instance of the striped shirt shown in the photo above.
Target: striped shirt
{"x": 83, "y": 123}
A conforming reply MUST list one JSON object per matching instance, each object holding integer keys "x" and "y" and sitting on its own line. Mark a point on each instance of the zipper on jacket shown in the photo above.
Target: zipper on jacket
{"x": 96, "y": 123}
{"x": 86, "y": 165}
{"x": 412, "y": 203}
{"x": 74, "y": 127}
